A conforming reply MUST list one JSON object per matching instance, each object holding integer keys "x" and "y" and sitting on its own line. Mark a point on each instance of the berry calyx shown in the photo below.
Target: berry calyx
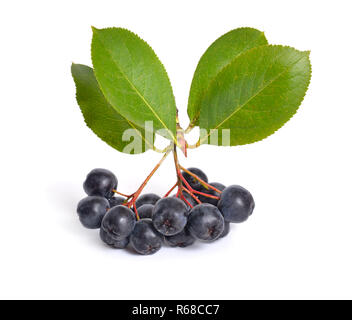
{"x": 206, "y": 222}
{"x": 170, "y": 216}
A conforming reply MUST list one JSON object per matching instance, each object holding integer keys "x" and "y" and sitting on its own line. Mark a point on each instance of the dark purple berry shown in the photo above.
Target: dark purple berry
{"x": 170, "y": 216}
{"x": 182, "y": 239}
{"x": 146, "y": 211}
{"x": 236, "y": 204}
{"x": 144, "y": 238}
{"x": 116, "y": 201}
{"x": 100, "y": 182}
{"x": 211, "y": 192}
{"x": 226, "y": 230}
{"x": 148, "y": 198}
{"x": 119, "y": 222}
{"x": 112, "y": 242}
{"x": 205, "y": 222}
{"x": 193, "y": 182}
{"x": 189, "y": 198}
{"x": 91, "y": 211}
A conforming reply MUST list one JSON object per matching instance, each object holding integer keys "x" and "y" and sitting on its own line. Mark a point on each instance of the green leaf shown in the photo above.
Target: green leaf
{"x": 101, "y": 117}
{"x": 255, "y": 95}
{"x": 133, "y": 79}
{"x": 219, "y": 55}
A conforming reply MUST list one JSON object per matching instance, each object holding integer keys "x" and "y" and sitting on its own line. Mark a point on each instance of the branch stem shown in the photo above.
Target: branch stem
{"x": 205, "y": 184}
{"x": 121, "y": 194}
{"x": 168, "y": 193}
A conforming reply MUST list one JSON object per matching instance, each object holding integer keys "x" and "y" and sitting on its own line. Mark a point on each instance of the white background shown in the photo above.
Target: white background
{"x": 297, "y": 243}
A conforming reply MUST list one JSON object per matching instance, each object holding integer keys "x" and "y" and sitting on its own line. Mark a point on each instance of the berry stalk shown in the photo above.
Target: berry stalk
{"x": 168, "y": 193}
{"x": 183, "y": 185}
{"x": 205, "y": 184}
{"x": 131, "y": 199}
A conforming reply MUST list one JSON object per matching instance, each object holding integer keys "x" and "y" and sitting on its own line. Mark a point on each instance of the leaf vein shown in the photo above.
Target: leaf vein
{"x": 136, "y": 90}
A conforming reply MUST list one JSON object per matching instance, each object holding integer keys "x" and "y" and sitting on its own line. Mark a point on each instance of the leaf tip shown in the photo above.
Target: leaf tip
{"x": 94, "y": 29}
{"x": 73, "y": 65}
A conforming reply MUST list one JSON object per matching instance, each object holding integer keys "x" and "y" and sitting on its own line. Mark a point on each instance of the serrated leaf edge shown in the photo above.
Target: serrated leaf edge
{"x": 135, "y": 127}
{"x": 201, "y": 141}
{"x": 163, "y": 67}
{"x": 196, "y": 118}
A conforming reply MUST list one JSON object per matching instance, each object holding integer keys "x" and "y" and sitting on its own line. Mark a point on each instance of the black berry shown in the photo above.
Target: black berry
{"x": 189, "y": 199}
{"x": 226, "y": 230}
{"x": 144, "y": 238}
{"x": 146, "y": 211}
{"x": 119, "y": 222}
{"x": 148, "y": 198}
{"x": 116, "y": 201}
{"x": 112, "y": 242}
{"x": 205, "y": 222}
{"x": 193, "y": 182}
{"x": 236, "y": 204}
{"x": 211, "y": 192}
{"x": 100, "y": 182}
{"x": 182, "y": 239}
{"x": 170, "y": 216}
{"x": 91, "y": 211}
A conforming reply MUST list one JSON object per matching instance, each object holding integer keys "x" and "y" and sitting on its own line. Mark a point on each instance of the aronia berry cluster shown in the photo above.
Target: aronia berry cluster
{"x": 175, "y": 220}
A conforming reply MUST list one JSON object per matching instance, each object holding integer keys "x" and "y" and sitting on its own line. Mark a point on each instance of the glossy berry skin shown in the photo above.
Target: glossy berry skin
{"x": 182, "y": 239}
{"x": 91, "y": 211}
{"x": 190, "y": 200}
{"x": 145, "y": 211}
{"x": 205, "y": 222}
{"x": 119, "y": 222}
{"x": 212, "y": 192}
{"x": 194, "y": 183}
{"x": 226, "y": 230}
{"x": 112, "y": 242}
{"x": 236, "y": 204}
{"x": 148, "y": 198}
{"x": 144, "y": 238}
{"x": 170, "y": 216}
{"x": 116, "y": 201}
{"x": 100, "y": 182}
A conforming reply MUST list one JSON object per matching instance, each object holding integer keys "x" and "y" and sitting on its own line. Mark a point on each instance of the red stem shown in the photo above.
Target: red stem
{"x": 135, "y": 210}
{"x": 185, "y": 200}
{"x": 200, "y": 180}
{"x": 206, "y": 195}
{"x": 182, "y": 184}
{"x": 185, "y": 181}
{"x": 122, "y": 194}
{"x": 192, "y": 195}
{"x": 135, "y": 195}
{"x": 168, "y": 193}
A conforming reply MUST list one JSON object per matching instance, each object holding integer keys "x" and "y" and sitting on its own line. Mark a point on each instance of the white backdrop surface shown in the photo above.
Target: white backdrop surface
{"x": 297, "y": 243}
